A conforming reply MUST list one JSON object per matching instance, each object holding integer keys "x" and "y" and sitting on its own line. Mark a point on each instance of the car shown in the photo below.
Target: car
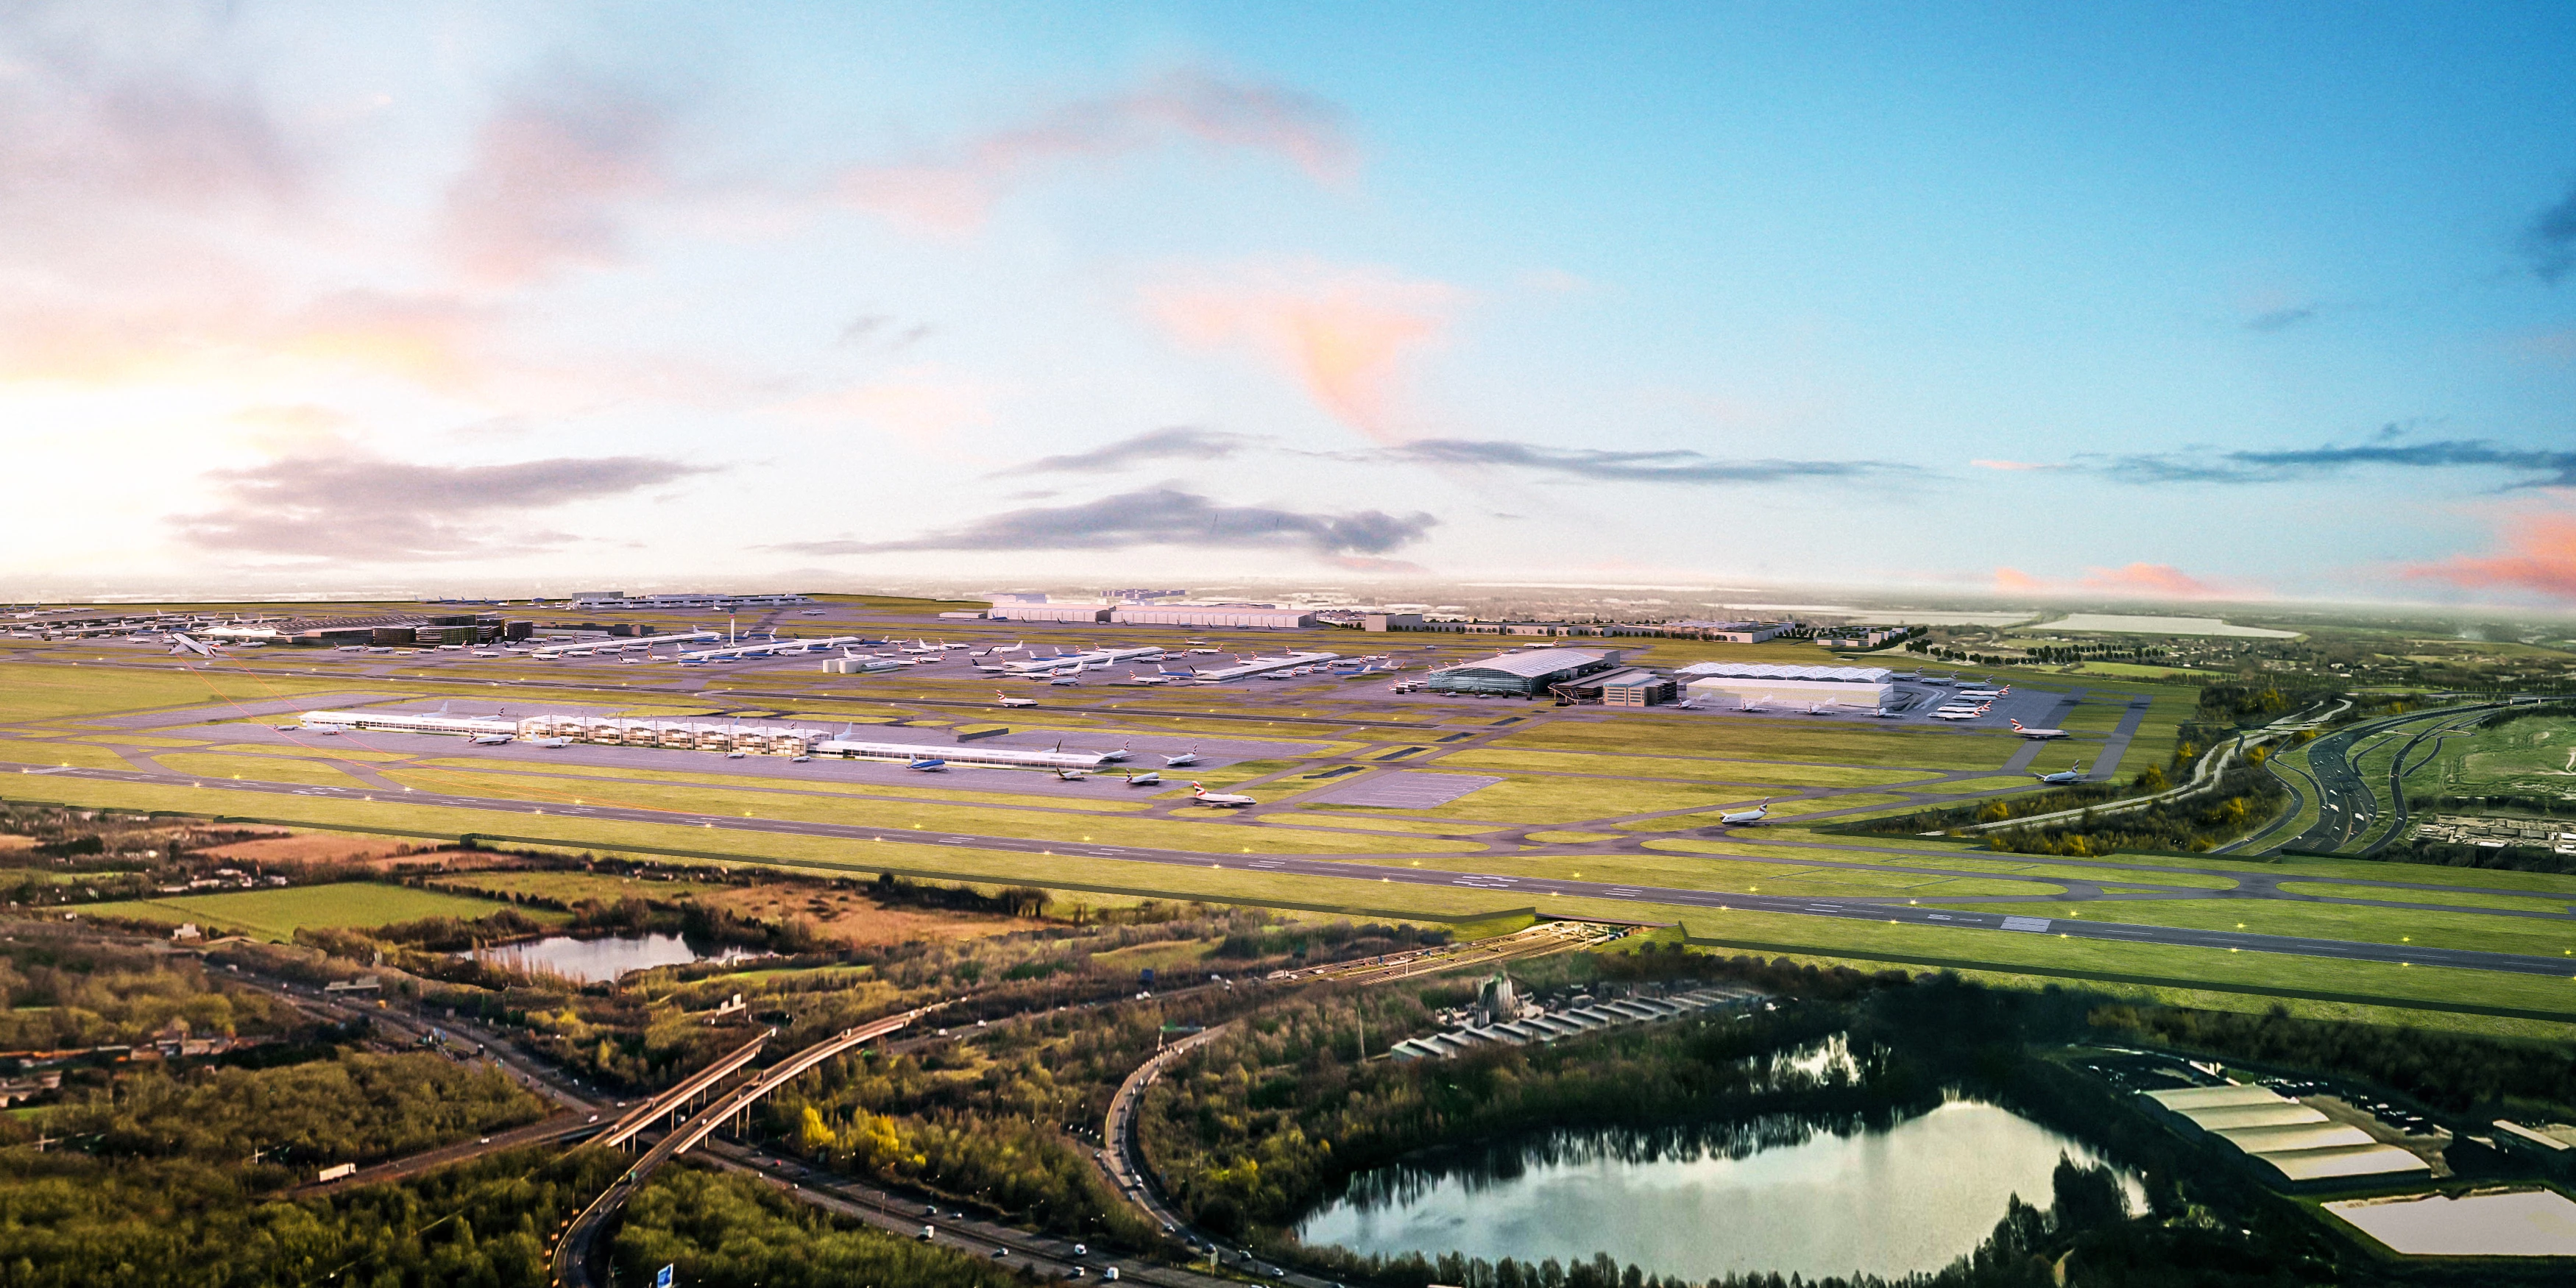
{"x": 999, "y": 1253}
{"x": 926, "y": 1233}
{"x": 1081, "y": 1250}
{"x": 1075, "y": 1273}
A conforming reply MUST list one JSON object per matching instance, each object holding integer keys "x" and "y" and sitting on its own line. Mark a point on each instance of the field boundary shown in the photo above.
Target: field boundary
{"x": 2150, "y": 981}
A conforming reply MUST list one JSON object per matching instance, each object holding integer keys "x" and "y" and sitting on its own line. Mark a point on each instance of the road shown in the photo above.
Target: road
{"x": 2348, "y": 807}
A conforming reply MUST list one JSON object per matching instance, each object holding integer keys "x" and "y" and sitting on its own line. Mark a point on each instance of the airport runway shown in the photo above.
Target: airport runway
{"x": 1531, "y": 888}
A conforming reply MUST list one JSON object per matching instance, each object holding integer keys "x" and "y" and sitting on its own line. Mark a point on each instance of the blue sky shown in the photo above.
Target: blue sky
{"x": 2183, "y": 301}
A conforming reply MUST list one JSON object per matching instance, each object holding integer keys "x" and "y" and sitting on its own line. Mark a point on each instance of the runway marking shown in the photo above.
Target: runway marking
{"x": 2035, "y": 925}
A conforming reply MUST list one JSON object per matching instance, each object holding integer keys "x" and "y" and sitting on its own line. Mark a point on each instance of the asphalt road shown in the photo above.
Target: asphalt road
{"x": 1532, "y": 888}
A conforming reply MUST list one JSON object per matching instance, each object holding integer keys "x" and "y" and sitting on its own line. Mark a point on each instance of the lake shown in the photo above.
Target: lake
{"x": 603, "y": 960}
{"x": 1772, "y": 1196}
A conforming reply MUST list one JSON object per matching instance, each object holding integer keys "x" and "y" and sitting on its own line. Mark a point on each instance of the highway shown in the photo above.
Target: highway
{"x": 1531, "y": 889}
{"x": 2348, "y": 807}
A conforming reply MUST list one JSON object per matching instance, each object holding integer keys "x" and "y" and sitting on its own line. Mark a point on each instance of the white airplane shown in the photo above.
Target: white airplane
{"x": 487, "y": 740}
{"x": 551, "y": 743}
{"x": 1141, "y": 680}
{"x": 1220, "y": 800}
{"x": 190, "y": 644}
{"x": 484, "y": 653}
{"x": 1190, "y": 757}
{"x": 1985, "y": 693}
{"x": 1010, "y": 648}
{"x": 1150, "y": 778}
{"x": 2062, "y": 777}
{"x": 1120, "y": 754}
{"x": 926, "y": 764}
{"x": 1955, "y": 713}
{"x": 1073, "y": 775}
{"x": 2041, "y": 735}
{"x": 1066, "y": 681}
{"x": 1008, "y": 701}
{"x": 1817, "y": 709}
{"x": 1746, "y": 817}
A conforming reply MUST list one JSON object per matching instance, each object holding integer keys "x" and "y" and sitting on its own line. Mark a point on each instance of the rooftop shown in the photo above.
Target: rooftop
{"x": 1770, "y": 671}
{"x": 1533, "y": 663}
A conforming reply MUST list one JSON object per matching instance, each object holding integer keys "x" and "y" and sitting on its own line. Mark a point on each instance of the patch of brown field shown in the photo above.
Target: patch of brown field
{"x": 8, "y": 843}
{"x": 302, "y": 848}
{"x": 852, "y": 919}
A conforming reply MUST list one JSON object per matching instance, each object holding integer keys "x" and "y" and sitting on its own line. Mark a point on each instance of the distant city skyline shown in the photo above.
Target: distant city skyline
{"x": 2186, "y": 305}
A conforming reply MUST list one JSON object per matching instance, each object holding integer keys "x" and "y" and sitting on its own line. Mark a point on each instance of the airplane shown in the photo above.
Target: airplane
{"x": 553, "y": 742}
{"x": 1985, "y": 693}
{"x": 1884, "y": 714}
{"x": 1120, "y": 754}
{"x": 1010, "y": 648}
{"x": 999, "y": 696}
{"x": 1066, "y": 681}
{"x": 1190, "y": 757}
{"x": 1150, "y": 778}
{"x": 1955, "y": 713}
{"x": 1133, "y": 678}
{"x": 190, "y": 644}
{"x": 1220, "y": 800}
{"x": 487, "y": 740}
{"x": 485, "y": 653}
{"x": 1746, "y": 817}
{"x": 926, "y": 764}
{"x": 2041, "y": 735}
{"x": 2062, "y": 777}
{"x": 1073, "y": 775}
{"x": 1817, "y": 709}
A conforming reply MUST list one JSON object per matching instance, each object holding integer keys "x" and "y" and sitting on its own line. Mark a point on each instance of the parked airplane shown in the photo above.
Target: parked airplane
{"x": 926, "y": 764}
{"x": 2062, "y": 777}
{"x": 1220, "y": 800}
{"x": 1008, "y": 701}
{"x": 551, "y": 743}
{"x": 1066, "y": 681}
{"x": 1010, "y": 648}
{"x": 1120, "y": 754}
{"x": 1190, "y": 757}
{"x": 1985, "y": 693}
{"x": 1818, "y": 709}
{"x": 1073, "y": 775}
{"x": 190, "y": 644}
{"x": 487, "y": 740}
{"x": 1746, "y": 817}
{"x": 2041, "y": 735}
{"x": 1150, "y": 778}
{"x": 1955, "y": 713}
{"x": 1133, "y": 678}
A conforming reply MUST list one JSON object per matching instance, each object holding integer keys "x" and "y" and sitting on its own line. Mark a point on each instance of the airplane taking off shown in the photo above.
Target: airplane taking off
{"x": 1008, "y": 701}
{"x": 1746, "y": 817}
{"x": 1190, "y": 757}
{"x": 2041, "y": 735}
{"x": 926, "y": 764}
{"x": 1221, "y": 800}
{"x": 2062, "y": 777}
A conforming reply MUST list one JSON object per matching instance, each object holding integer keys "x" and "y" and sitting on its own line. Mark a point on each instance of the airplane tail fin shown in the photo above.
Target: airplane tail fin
{"x": 2016, "y": 726}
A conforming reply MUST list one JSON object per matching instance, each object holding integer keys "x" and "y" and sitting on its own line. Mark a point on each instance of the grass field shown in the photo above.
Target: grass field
{"x": 1774, "y": 740}
{"x": 1645, "y": 765}
{"x": 47, "y": 691}
{"x": 2433, "y": 929}
{"x": 272, "y": 769}
{"x": 573, "y": 887}
{"x": 2533, "y": 756}
{"x": 2463, "y": 899}
{"x": 37, "y": 755}
{"x": 278, "y": 914}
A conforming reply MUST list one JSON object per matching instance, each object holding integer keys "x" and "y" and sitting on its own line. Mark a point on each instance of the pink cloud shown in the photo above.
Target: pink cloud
{"x": 1345, "y": 334}
{"x": 2129, "y": 581}
{"x": 2014, "y": 465}
{"x": 2539, "y": 557}
{"x": 953, "y": 190}
{"x": 548, "y": 175}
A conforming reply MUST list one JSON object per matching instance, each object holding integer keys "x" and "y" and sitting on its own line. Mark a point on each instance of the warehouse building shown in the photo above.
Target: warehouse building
{"x": 1083, "y": 613}
{"x": 1859, "y": 686}
{"x": 1523, "y": 674}
{"x": 2295, "y": 1145}
{"x": 1241, "y": 616}
{"x": 1630, "y": 687}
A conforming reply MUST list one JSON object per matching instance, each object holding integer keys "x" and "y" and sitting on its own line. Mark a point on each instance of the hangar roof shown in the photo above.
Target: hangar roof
{"x": 1769, "y": 671}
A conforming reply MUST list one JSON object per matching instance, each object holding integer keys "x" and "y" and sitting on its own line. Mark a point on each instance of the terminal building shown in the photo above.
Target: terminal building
{"x": 1524, "y": 674}
{"x": 1223, "y": 616}
{"x": 693, "y": 735}
{"x": 1087, "y": 614}
{"x": 591, "y": 599}
{"x": 1857, "y": 686}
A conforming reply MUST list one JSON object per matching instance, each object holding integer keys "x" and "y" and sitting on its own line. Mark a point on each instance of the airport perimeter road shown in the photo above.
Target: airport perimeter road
{"x": 2347, "y": 805}
{"x": 1532, "y": 888}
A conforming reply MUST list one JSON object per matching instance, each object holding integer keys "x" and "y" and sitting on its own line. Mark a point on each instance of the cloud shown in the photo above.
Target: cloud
{"x": 548, "y": 174}
{"x": 2129, "y": 581}
{"x": 1179, "y": 442}
{"x": 2539, "y": 557}
{"x": 2280, "y": 319}
{"x": 2015, "y": 465}
{"x": 952, "y": 190}
{"x": 1158, "y": 516}
{"x": 359, "y": 508}
{"x": 1671, "y": 465}
{"x": 2547, "y": 468}
{"x": 1344, "y": 333}
{"x": 2550, "y": 242}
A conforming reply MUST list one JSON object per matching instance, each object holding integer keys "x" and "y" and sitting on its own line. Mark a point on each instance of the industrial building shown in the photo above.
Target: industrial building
{"x": 1234, "y": 616}
{"x": 1088, "y": 614}
{"x": 1633, "y": 686}
{"x": 391, "y": 630}
{"x": 1730, "y": 632}
{"x": 1523, "y": 674}
{"x": 1860, "y": 686}
{"x": 2295, "y": 1144}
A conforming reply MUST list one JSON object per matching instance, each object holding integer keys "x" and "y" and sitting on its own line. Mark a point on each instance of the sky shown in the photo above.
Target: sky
{"x": 2173, "y": 301}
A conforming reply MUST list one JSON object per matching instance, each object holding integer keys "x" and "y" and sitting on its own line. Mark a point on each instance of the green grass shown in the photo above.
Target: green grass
{"x": 1571, "y": 800}
{"x": 1314, "y": 816}
{"x": 41, "y": 754}
{"x": 1973, "y": 862}
{"x": 2511, "y": 903}
{"x": 569, "y": 779}
{"x": 2401, "y": 926}
{"x": 1732, "y": 877}
{"x": 1643, "y": 765}
{"x": 1779, "y": 810}
{"x": 278, "y": 914}
{"x": 271, "y": 769}
{"x": 56, "y": 690}
{"x": 573, "y": 887}
{"x": 1773, "y": 740}
{"x": 2533, "y": 756}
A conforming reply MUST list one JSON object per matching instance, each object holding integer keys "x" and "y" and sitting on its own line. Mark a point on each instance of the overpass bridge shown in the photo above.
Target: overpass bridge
{"x": 685, "y": 1092}
{"x": 572, "y": 1251}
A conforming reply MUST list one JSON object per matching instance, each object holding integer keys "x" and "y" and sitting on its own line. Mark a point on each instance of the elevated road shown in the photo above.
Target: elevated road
{"x": 688, "y": 1089}
{"x": 574, "y": 1250}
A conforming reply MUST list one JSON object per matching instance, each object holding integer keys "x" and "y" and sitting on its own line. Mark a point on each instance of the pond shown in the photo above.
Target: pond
{"x": 601, "y": 960}
{"x": 1777, "y": 1196}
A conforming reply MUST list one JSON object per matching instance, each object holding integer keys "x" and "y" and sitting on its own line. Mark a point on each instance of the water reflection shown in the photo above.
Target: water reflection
{"x": 601, "y": 960}
{"x": 1781, "y": 1194}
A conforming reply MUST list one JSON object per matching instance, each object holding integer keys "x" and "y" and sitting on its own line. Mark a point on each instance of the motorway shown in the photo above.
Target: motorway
{"x": 1532, "y": 889}
{"x": 2348, "y": 807}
